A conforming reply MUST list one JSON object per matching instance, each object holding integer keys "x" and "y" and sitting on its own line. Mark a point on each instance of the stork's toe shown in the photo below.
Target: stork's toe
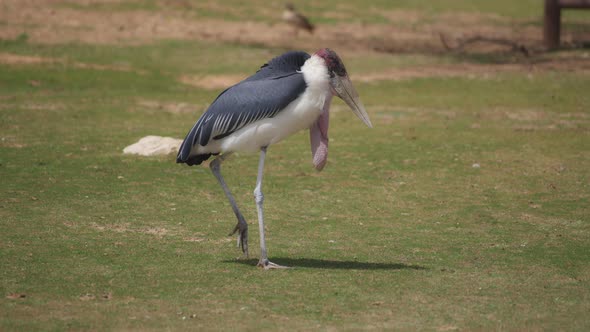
{"x": 267, "y": 265}
{"x": 242, "y": 230}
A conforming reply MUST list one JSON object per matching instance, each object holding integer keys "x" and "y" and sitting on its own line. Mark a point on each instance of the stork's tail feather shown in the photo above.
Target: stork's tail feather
{"x": 184, "y": 152}
{"x": 193, "y": 160}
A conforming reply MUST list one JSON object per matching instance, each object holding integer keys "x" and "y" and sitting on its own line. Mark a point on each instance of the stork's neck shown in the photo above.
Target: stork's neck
{"x": 315, "y": 74}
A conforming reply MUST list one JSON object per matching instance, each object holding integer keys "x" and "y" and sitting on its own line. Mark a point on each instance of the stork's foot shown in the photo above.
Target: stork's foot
{"x": 242, "y": 229}
{"x": 267, "y": 265}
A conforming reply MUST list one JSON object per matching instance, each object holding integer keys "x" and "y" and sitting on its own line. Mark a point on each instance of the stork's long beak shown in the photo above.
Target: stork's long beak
{"x": 344, "y": 89}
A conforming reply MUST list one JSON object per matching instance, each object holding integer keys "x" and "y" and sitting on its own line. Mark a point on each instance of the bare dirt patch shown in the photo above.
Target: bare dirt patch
{"x": 211, "y": 82}
{"x": 18, "y": 59}
{"x": 473, "y": 70}
{"x": 524, "y": 119}
{"x": 158, "y": 232}
{"x": 107, "y": 67}
{"x": 33, "y": 106}
{"x": 170, "y": 107}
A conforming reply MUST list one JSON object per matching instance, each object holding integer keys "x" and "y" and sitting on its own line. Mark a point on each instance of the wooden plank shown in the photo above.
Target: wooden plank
{"x": 581, "y": 4}
{"x": 552, "y": 22}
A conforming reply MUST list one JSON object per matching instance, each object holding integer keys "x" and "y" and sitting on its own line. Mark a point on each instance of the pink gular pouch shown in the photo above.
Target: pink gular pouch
{"x": 318, "y": 135}
{"x": 340, "y": 86}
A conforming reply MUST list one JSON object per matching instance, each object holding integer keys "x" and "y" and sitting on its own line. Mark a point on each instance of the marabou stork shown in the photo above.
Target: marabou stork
{"x": 297, "y": 20}
{"x": 290, "y": 93}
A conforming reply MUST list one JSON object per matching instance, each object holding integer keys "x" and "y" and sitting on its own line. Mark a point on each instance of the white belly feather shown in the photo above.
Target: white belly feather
{"x": 298, "y": 115}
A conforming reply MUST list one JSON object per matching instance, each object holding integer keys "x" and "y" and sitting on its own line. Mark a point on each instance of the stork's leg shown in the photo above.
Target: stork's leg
{"x": 263, "y": 262}
{"x": 242, "y": 225}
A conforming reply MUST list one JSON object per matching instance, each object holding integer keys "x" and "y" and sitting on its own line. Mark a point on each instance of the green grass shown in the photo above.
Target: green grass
{"x": 399, "y": 232}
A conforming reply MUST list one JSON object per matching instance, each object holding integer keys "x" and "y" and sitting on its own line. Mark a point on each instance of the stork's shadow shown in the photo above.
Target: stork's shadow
{"x": 331, "y": 264}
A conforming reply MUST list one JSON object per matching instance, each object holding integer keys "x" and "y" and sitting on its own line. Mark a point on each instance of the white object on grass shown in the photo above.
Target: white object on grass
{"x": 154, "y": 146}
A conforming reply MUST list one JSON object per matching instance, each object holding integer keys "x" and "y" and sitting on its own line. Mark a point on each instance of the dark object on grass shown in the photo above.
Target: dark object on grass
{"x": 481, "y": 39}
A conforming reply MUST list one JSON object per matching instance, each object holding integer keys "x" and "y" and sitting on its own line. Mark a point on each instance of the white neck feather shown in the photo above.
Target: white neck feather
{"x": 315, "y": 73}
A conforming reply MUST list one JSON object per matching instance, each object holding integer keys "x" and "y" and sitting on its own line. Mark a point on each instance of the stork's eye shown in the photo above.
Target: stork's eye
{"x": 337, "y": 67}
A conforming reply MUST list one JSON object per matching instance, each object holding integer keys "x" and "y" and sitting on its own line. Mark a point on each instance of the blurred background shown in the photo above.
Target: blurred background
{"x": 387, "y": 27}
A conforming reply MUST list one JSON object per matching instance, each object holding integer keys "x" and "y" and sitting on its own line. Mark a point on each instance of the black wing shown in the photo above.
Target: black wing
{"x": 259, "y": 96}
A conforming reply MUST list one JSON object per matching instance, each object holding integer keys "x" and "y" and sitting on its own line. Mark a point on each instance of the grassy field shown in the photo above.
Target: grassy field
{"x": 466, "y": 207}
